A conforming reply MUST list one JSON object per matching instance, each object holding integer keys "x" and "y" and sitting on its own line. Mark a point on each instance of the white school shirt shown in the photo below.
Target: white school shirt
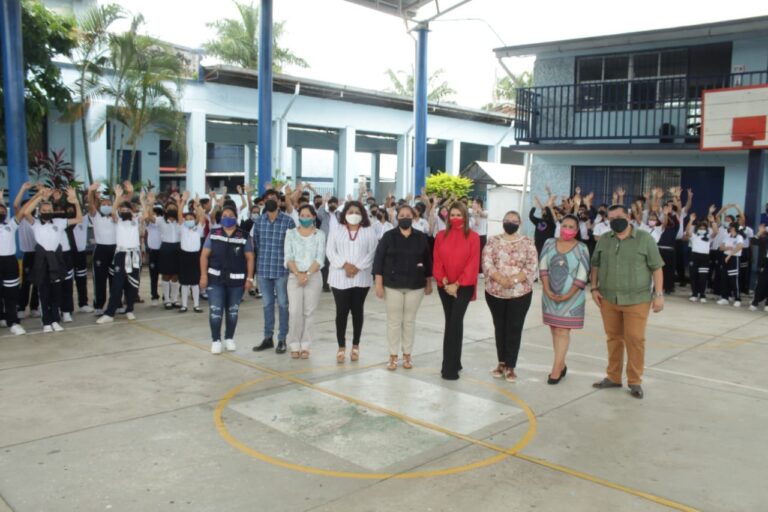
{"x": 170, "y": 232}
{"x": 103, "y": 229}
{"x": 749, "y": 234}
{"x": 718, "y": 239}
{"x": 480, "y": 224}
{"x": 127, "y": 235}
{"x": 601, "y": 228}
{"x": 698, "y": 243}
{"x": 81, "y": 234}
{"x": 153, "y": 236}
{"x": 381, "y": 228}
{"x": 26, "y": 236}
{"x": 730, "y": 242}
{"x": 422, "y": 225}
{"x": 190, "y": 238}
{"x": 8, "y": 237}
{"x": 48, "y": 235}
{"x": 65, "y": 239}
{"x": 360, "y": 253}
{"x": 655, "y": 231}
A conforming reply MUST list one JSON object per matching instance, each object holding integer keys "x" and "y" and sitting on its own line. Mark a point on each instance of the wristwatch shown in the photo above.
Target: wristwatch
{"x": 250, "y": 279}
{"x": 658, "y": 294}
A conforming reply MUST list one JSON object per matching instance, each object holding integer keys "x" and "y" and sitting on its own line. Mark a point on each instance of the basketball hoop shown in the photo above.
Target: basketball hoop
{"x": 747, "y": 141}
{"x": 748, "y": 129}
{"x": 734, "y": 118}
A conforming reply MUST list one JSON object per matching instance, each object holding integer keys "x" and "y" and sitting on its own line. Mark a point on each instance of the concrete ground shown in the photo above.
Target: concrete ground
{"x": 140, "y": 416}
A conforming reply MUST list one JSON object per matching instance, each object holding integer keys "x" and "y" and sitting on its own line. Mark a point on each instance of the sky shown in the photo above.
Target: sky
{"x": 352, "y": 45}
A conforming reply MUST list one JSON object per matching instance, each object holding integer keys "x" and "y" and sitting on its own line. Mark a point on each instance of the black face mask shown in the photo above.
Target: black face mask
{"x": 332, "y": 207}
{"x": 318, "y": 204}
{"x": 171, "y": 214}
{"x": 158, "y": 211}
{"x": 46, "y": 217}
{"x": 126, "y": 215}
{"x": 619, "y": 225}
{"x": 510, "y": 228}
{"x": 270, "y": 206}
{"x": 405, "y": 223}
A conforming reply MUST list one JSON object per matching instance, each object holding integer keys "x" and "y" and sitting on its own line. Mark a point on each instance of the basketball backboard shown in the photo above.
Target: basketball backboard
{"x": 734, "y": 118}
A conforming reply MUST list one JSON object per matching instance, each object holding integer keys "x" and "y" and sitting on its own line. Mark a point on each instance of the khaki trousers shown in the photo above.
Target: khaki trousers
{"x": 402, "y": 306}
{"x": 302, "y": 303}
{"x": 625, "y": 328}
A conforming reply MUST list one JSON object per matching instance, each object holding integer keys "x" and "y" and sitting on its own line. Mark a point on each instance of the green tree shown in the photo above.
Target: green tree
{"x": 237, "y": 41}
{"x": 44, "y": 36}
{"x": 403, "y": 84}
{"x": 90, "y": 59}
{"x": 505, "y": 90}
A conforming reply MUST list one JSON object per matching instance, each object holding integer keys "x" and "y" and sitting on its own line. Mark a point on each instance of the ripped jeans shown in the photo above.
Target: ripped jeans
{"x": 223, "y": 300}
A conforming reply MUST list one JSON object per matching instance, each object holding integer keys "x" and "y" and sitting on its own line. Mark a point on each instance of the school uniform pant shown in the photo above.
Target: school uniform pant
{"x": 9, "y": 293}
{"x": 402, "y": 306}
{"x": 761, "y": 290}
{"x": 715, "y": 271}
{"x": 730, "y": 279}
{"x": 28, "y": 295}
{"x": 350, "y": 300}
{"x": 223, "y": 302}
{"x": 508, "y": 320}
{"x": 454, "y": 309}
{"x": 668, "y": 255}
{"x": 699, "y": 270}
{"x": 302, "y": 304}
{"x": 745, "y": 270}
{"x": 625, "y": 330}
{"x": 103, "y": 255}
{"x": 67, "y": 285}
{"x": 50, "y": 300}
{"x": 81, "y": 277}
{"x": 682, "y": 260}
{"x": 123, "y": 283}
{"x": 154, "y": 272}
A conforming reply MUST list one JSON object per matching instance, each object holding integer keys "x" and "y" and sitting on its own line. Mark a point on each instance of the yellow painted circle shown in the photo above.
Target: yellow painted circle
{"x": 236, "y": 443}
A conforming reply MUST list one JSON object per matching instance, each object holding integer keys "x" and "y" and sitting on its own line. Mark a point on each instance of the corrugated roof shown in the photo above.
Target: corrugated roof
{"x": 492, "y": 173}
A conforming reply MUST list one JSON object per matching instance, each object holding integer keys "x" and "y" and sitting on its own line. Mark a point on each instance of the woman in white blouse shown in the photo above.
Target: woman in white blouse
{"x": 351, "y": 248}
{"x": 304, "y": 257}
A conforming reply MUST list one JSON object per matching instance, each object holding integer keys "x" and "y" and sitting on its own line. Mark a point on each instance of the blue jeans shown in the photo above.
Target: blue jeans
{"x": 270, "y": 287}
{"x": 223, "y": 299}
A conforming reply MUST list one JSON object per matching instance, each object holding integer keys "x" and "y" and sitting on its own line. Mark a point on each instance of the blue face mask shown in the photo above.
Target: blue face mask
{"x": 305, "y": 223}
{"x": 189, "y": 223}
{"x": 228, "y": 222}
{"x": 105, "y": 210}
{"x": 254, "y": 217}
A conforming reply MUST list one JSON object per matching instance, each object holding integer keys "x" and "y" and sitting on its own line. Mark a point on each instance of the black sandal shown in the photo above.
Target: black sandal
{"x": 605, "y": 384}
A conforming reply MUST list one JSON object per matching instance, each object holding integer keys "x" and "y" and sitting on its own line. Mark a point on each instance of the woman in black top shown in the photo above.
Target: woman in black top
{"x": 545, "y": 225}
{"x": 667, "y": 247}
{"x": 403, "y": 271}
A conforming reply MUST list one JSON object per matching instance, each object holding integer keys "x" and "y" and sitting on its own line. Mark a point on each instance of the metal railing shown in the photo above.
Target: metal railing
{"x": 663, "y": 110}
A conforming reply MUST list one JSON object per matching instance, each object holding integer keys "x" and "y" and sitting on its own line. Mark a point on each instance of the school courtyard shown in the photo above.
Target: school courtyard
{"x": 139, "y": 416}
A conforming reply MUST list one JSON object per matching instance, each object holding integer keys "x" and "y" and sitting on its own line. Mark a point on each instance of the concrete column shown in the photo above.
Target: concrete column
{"x": 453, "y": 157}
{"x": 298, "y": 164}
{"x": 376, "y": 174}
{"x": 345, "y": 170}
{"x": 250, "y": 162}
{"x": 97, "y": 115}
{"x": 402, "y": 179}
{"x": 494, "y": 154}
{"x": 196, "y": 152}
{"x": 420, "y": 108}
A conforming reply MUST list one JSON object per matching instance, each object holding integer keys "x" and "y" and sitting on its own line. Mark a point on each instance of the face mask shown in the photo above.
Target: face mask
{"x": 46, "y": 217}
{"x": 619, "y": 225}
{"x": 443, "y": 215}
{"x": 171, "y": 214}
{"x": 510, "y": 228}
{"x": 405, "y": 223}
{"x": 228, "y": 222}
{"x": 457, "y": 222}
{"x": 305, "y": 223}
{"x": 125, "y": 215}
{"x": 158, "y": 211}
{"x": 701, "y": 232}
{"x": 270, "y": 205}
{"x": 254, "y": 217}
{"x": 567, "y": 234}
{"x": 318, "y": 204}
{"x": 2, "y": 217}
{"x": 189, "y": 223}
{"x": 332, "y": 207}
{"x": 601, "y": 213}
{"x": 652, "y": 223}
{"x": 105, "y": 210}
{"x": 353, "y": 219}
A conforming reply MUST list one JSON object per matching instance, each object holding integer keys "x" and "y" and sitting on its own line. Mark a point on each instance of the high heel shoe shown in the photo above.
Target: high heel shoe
{"x": 552, "y": 381}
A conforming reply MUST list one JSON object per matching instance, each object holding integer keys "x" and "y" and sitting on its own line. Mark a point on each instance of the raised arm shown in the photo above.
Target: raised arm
{"x": 17, "y": 201}
{"x": 26, "y": 211}
{"x": 72, "y": 199}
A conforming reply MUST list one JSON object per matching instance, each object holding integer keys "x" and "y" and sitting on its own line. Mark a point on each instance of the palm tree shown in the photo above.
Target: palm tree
{"x": 403, "y": 84}
{"x": 505, "y": 90}
{"x": 238, "y": 41}
{"x": 90, "y": 60}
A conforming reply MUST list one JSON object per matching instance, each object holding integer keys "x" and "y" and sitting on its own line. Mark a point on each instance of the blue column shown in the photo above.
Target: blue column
{"x": 13, "y": 101}
{"x": 265, "y": 96}
{"x": 753, "y": 203}
{"x": 420, "y": 110}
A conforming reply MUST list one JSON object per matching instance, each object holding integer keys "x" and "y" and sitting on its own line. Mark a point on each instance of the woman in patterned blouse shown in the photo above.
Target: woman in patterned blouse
{"x": 509, "y": 265}
{"x": 564, "y": 273}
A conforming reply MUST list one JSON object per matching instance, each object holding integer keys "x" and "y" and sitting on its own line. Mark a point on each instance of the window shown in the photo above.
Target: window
{"x": 225, "y": 157}
{"x": 635, "y": 81}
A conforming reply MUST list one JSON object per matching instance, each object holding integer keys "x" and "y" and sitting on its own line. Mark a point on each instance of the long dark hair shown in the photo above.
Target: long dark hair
{"x": 458, "y": 205}
{"x": 366, "y": 222}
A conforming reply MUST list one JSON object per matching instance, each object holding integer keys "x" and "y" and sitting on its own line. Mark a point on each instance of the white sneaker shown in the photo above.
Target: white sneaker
{"x": 98, "y": 312}
{"x": 35, "y": 313}
{"x": 130, "y": 316}
{"x": 752, "y": 308}
{"x": 230, "y": 344}
{"x": 723, "y": 302}
{"x": 737, "y": 304}
{"x": 216, "y": 347}
{"x": 765, "y": 309}
{"x": 17, "y": 330}
{"x": 3, "y": 323}
{"x": 703, "y": 300}
{"x": 66, "y": 317}
{"x": 22, "y": 315}
{"x": 105, "y": 319}
{"x": 57, "y": 327}
{"x": 693, "y": 299}
{"x": 155, "y": 303}
{"x": 86, "y": 309}
{"x": 47, "y": 328}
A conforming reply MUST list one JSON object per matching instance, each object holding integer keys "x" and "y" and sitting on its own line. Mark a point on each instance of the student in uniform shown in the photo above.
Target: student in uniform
{"x": 170, "y": 252}
{"x": 126, "y": 265}
{"x": 9, "y": 269}
{"x": 761, "y": 290}
{"x": 28, "y": 295}
{"x": 699, "y": 234}
{"x": 192, "y": 225}
{"x": 100, "y": 213}
{"x": 153, "y": 250}
{"x": 67, "y": 285}
{"x": 78, "y": 238}
{"x": 666, "y": 244}
{"x": 49, "y": 270}
{"x": 731, "y": 249}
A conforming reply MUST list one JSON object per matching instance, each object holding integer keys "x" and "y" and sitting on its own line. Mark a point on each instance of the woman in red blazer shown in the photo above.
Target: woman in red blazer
{"x": 456, "y": 260}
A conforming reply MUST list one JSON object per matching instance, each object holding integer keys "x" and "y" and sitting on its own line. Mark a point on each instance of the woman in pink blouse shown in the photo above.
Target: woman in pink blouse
{"x": 509, "y": 266}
